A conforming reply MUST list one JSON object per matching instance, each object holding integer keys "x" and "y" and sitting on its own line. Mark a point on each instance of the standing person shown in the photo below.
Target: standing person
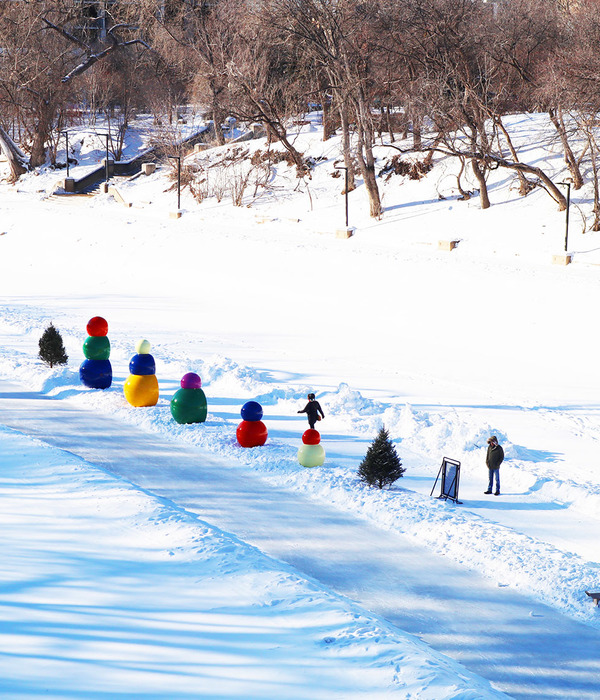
{"x": 312, "y": 410}
{"x": 493, "y": 460}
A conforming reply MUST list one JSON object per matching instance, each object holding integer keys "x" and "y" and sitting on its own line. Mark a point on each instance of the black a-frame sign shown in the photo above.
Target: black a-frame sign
{"x": 450, "y": 477}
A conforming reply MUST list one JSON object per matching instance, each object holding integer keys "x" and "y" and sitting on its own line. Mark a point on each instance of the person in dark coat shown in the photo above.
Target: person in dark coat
{"x": 493, "y": 460}
{"x": 312, "y": 410}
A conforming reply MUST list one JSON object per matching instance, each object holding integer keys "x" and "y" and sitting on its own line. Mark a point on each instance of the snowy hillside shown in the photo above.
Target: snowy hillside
{"x": 444, "y": 348}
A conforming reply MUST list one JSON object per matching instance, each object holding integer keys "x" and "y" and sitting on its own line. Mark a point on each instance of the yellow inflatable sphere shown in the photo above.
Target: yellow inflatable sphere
{"x": 141, "y": 390}
{"x": 143, "y": 347}
{"x": 311, "y": 455}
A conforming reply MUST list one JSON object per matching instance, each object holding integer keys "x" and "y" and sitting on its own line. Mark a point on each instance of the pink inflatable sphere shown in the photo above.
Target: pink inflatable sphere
{"x": 311, "y": 437}
{"x": 191, "y": 381}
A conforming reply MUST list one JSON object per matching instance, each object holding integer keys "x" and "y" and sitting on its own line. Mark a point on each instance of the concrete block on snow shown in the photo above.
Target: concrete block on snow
{"x": 447, "y": 245}
{"x": 562, "y": 259}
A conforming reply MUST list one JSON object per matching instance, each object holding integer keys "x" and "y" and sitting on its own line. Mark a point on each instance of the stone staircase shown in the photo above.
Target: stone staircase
{"x": 70, "y": 198}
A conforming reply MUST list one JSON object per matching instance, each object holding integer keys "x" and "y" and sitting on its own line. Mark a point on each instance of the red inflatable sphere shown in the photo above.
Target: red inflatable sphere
{"x": 311, "y": 437}
{"x": 97, "y": 326}
{"x": 251, "y": 433}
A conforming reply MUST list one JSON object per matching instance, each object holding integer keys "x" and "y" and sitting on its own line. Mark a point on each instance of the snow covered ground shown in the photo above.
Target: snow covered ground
{"x": 264, "y": 303}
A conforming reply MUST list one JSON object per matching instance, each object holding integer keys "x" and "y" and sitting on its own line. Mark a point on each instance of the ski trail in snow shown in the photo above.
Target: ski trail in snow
{"x": 525, "y": 648}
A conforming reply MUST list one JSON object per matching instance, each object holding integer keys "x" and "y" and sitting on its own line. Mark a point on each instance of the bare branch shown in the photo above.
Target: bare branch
{"x": 93, "y": 58}
{"x": 70, "y": 37}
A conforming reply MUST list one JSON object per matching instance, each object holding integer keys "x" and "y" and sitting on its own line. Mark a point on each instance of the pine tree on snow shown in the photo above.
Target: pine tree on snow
{"x": 52, "y": 350}
{"x": 381, "y": 465}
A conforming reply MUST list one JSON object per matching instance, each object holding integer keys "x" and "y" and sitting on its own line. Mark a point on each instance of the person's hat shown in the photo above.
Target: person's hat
{"x": 311, "y": 397}
{"x": 492, "y": 439}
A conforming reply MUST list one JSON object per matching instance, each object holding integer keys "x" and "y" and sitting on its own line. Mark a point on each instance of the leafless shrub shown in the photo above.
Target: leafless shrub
{"x": 232, "y": 155}
{"x": 199, "y": 189}
{"x": 271, "y": 157}
{"x": 189, "y": 173}
{"x": 239, "y": 179}
{"x": 230, "y": 175}
{"x": 218, "y": 186}
{"x": 414, "y": 170}
{"x": 262, "y": 175}
{"x": 166, "y": 139}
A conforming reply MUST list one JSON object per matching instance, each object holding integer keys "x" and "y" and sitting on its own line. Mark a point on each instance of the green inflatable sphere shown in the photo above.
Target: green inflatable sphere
{"x": 97, "y": 347}
{"x": 189, "y": 406}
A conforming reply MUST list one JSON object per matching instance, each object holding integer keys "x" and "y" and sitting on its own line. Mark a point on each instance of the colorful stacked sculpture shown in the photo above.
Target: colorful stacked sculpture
{"x": 189, "y": 403}
{"x": 251, "y": 432}
{"x": 96, "y": 371}
{"x": 141, "y": 386}
{"x": 311, "y": 453}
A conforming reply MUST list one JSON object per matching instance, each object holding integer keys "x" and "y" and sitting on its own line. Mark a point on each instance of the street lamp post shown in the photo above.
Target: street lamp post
{"x": 178, "y": 159}
{"x": 568, "y": 186}
{"x": 106, "y": 162}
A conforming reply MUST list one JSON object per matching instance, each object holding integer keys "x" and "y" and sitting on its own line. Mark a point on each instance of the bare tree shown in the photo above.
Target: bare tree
{"x": 195, "y": 39}
{"x": 263, "y": 81}
{"x": 89, "y": 52}
{"x": 573, "y": 80}
{"x": 45, "y": 44}
{"x": 337, "y": 39}
{"x": 32, "y": 63}
{"x": 471, "y": 65}
{"x": 17, "y": 160}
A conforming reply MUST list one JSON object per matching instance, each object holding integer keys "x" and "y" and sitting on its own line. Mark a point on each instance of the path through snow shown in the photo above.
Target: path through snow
{"x": 492, "y": 630}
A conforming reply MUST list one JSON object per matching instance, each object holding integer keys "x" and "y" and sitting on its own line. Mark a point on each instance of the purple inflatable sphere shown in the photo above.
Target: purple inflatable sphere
{"x": 191, "y": 381}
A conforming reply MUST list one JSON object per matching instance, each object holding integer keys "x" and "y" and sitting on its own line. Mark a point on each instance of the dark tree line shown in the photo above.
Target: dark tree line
{"x": 447, "y": 72}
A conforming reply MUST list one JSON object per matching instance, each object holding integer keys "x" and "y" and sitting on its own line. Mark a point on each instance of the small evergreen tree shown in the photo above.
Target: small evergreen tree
{"x": 52, "y": 350}
{"x": 381, "y": 465}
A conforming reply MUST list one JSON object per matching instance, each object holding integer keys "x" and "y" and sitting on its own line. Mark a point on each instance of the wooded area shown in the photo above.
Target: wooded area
{"x": 443, "y": 73}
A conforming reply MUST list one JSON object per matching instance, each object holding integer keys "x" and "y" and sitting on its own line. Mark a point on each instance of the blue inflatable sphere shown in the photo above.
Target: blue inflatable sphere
{"x": 142, "y": 365}
{"x": 96, "y": 374}
{"x": 252, "y": 411}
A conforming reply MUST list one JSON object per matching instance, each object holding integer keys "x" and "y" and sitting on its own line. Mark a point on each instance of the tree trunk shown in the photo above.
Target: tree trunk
{"x": 429, "y": 157}
{"x": 41, "y": 134}
{"x": 390, "y": 128}
{"x": 17, "y": 161}
{"x": 480, "y": 177}
{"x": 368, "y": 173}
{"x": 557, "y": 119}
{"x": 478, "y": 164}
{"x": 328, "y": 127}
{"x": 281, "y": 135}
{"x": 346, "y": 149}
{"x": 524, "y": 185}
{"x": 416, "y": 132}
{"x": 489, "y": 158}
{"x": 218, "y": 115}
{"x": 594, "y": 162}
{"x": 464, "y": 195}
{"x": 366, "y": 159}
{"x": 38, "y": 149}
{"x": 553, "y": 190}
{"x": 267, "y": 115}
